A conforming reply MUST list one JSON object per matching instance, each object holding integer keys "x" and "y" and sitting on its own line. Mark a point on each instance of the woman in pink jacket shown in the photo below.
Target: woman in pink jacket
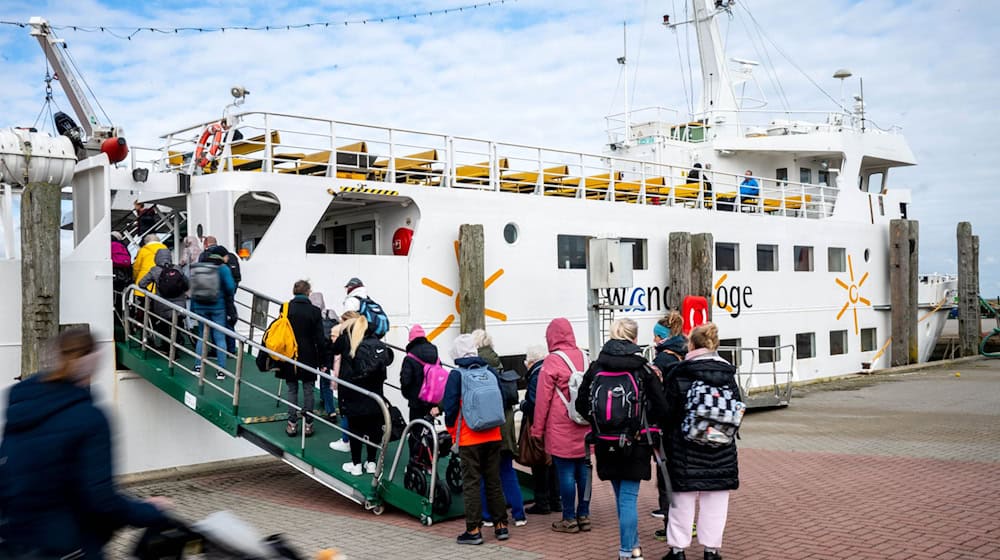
{"x": 564, "y": 438}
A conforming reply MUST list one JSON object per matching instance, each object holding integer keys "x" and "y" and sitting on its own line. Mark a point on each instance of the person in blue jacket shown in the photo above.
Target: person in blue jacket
{"x": 214, "y": 311}
{"x": 57, "y": 495}
{"x": 749, "y": 188}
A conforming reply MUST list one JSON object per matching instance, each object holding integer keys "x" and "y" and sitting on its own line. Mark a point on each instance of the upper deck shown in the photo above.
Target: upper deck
{"x": 288, "y": 144}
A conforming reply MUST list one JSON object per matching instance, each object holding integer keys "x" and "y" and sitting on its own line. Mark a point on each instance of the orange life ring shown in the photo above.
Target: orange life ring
{"x": 206, "y": 153}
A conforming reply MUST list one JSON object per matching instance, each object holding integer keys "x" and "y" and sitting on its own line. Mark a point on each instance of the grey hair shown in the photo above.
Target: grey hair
{"x": 535, "y": 353}
{"x": 150, "y": 238}
{"x": 482, "y": 338}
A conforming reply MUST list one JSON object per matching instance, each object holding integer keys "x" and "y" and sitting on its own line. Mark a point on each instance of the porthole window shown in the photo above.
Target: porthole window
{"x": 510, "y": 233}
{"x": 868, "y": 255}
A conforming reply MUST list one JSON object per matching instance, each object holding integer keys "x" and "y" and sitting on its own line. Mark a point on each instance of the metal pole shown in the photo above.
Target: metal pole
{"x": 239, "y": 375}
{"x": 173, "y": 341}
{"x": 204, "y": 355}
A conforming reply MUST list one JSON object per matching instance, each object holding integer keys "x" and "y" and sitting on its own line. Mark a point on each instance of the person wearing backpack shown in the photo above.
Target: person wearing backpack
{"x": 211, "y": 285}
{"x": 623, "y": 397}
{"x": 700, "y": 474}
{"x": 473, "y": 412}
{"x": 121, "y": 266}
{"x": 231, "y": 261}
{"x": 357, "y": 300}
{"x": 420, "y": 354}
{"x": 168, "y": 282}
{"x": 564, "y": 437}
{"x": 671, "y": 347}
{"x": 326, "y": 385}
{"x": 546, "y": 483}
{"x": 508, "y": 388}
{"x": 313, "y": 351}
{"x": 146, "y": 257}
{"x": 364, "y": 360}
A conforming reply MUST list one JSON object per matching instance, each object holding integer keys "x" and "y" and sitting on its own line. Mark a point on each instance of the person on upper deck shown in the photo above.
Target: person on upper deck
{"x": 749, "y": 188}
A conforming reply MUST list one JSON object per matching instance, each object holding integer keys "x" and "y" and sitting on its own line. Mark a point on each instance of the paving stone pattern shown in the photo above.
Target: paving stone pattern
{"x": 888, "y": 467}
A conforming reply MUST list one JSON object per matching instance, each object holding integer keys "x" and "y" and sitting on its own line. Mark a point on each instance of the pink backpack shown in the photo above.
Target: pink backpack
{"x": 120, "y": 255}
{"x": 435, "y": 379}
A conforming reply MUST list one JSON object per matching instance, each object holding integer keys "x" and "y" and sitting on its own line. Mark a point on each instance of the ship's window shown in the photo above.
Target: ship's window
{"x": 805, "y": 175}
{"x": 769, "y": 351}
{"x": 510, "y": 233}
{"x": 823, "y": 177}
{"x": 868, "y": 255}
{"x": 253, "y": 215}
{"x": 838, "y": 343}
{"x": 868, "y": 340}
{"x": 572, "y": 251}
{"x": 805, "y": 345}
{"x": 729, "y": 350}
{"x": 767, "y": 258}
{"x": 836, "y": 259}
{"x": 781, "y": 176}
{"x": 874, "y": 181}
{"x": 727, "y": 256}
{"x": 638, "y": 252}
{"x": 803, "y": 258}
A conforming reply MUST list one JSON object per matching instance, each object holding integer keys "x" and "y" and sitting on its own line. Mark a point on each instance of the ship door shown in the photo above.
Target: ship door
{"x": 362, "y": 238}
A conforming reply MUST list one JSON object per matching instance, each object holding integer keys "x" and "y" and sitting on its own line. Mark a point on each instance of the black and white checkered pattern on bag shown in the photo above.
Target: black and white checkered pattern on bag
{"x": 713, "y": 414}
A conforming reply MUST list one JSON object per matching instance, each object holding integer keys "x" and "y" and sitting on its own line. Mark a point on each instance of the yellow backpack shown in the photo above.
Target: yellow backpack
{"x": 280, "y": 338}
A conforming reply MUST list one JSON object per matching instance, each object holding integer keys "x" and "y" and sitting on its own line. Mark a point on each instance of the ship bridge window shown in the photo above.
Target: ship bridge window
{"x": 805, "y": 175}
{"x": 781, "y": 176}
{"x": 571, "y": 251}
{"x": 872, "y": 181}
{"x": 727, "y": 256}
{"x": 823, "y": 177}
{"x": 253, "y": 214}
{"x": 767, "y": 258}
{"x": 836, "y": 259}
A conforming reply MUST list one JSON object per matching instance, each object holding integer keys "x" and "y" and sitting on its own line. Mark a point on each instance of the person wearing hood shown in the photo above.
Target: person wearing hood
{"x": 700, "y": 474}
{"x": 564, "y": 438}
{"x": 190, "y": 253}
{"x": 58, "y": 497}
{"x": 626, "y": 463}
{"x": 307, "y": 325}
{"x": 145, "y": 259}
{"x": 419, "y": 351}
{"x": 356, "y": 291}
{"x": 151, "y": 282}
{"x": 546, "y": 483}
{"x": 478, "y": 451}
{"x": 671, "y": 347}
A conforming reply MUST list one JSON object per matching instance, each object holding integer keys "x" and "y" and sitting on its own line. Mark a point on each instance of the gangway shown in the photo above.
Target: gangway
{"x": 154, "y": 342}
{"x": 764, "y": 374}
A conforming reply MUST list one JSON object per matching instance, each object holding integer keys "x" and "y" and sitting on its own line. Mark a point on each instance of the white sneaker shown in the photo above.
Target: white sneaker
{"x": 370, "y": 467}
{"x": 487, "y": 523}
{"x": 520, "y": 522}
{"x": 352, "y": 468}
{"x": 340, "y": 445}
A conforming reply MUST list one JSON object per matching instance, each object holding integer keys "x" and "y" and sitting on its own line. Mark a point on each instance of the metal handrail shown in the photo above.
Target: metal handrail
{"x": 779, "y": 388}
{"x": 244, "y": 344}
{"x": 434, "y": 455}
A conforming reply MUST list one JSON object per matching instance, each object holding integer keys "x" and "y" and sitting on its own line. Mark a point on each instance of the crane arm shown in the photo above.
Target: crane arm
{"x": 71, "y": 85}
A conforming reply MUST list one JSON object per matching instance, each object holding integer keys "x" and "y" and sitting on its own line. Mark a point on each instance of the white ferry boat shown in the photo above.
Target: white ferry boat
{"x": 801, "y": 265}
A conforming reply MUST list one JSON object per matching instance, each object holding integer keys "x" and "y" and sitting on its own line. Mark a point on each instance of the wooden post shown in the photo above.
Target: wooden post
{"x": 679, "y": 266}
{"x": 39, "y": 271}
{"x": 899, "y": 287}
{"x": 471, "y": 273}
{"x": 969, "y": 328}
{"x": 914, "y": 252}
{"x": 702, "y": 267}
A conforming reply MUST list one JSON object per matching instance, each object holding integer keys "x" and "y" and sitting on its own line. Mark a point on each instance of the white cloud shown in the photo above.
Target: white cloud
{"x": 539, "y": 72}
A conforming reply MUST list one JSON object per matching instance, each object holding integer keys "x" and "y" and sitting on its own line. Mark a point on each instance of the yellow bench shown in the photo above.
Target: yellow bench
{"x": 352, "y": 158}
{"x": 791, "y": 203}
{"x": 478, "y": 173}
{"x": 525, "y": 181}
{"x": 595, "y": 187}
{"x": 414, "y": 168}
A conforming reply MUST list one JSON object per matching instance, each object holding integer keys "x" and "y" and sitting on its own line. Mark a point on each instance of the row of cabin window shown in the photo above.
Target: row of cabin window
{"x": 805, "y": 175}
{"x": 727, "y": 257}
{"x": 805, "y": 346}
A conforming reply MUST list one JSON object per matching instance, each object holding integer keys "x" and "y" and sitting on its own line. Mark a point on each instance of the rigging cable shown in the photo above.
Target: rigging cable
{"x": 76, "y": 68}
{"x": 761, "y": 52}
{"x": 638, "y": 54}
{"x": 687, "y": 39}
{"x": 680, "y": 64}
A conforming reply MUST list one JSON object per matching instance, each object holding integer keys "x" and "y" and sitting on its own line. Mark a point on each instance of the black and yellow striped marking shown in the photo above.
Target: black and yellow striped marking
{"x": 366, "y": 190}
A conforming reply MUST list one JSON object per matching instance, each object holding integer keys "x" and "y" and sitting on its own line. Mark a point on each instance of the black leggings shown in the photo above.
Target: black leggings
{"x": 366, "y": 426}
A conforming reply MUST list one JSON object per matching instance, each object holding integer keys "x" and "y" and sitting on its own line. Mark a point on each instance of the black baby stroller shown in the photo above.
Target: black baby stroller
{"x": 418, "y": 468}
{"x": 220, "y": 536}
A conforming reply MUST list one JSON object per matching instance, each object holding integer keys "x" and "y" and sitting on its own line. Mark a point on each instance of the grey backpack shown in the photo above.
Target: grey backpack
{"x": 482, "y": 402}
{"x": 204, "y": 283}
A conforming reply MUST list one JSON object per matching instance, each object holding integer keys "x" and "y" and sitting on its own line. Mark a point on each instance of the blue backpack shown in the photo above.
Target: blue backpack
{"x": 378, "y": 321}
{"x": 482, "y": 402}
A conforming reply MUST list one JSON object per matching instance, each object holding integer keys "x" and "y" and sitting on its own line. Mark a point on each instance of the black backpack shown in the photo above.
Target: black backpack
{"x": 618, "y": 406}
{"x": 508, "y": 380}
{"x": 372, "y": 354}
{"x": 172, "y": 282}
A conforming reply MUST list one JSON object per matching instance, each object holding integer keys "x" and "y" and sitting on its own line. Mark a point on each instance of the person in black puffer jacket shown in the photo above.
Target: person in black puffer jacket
{"x": 699, "y": 473}
{"x": 671, "y": 347}
{"x": 411, "y": 373}
{"x": 625, "y": 465}
{"x": 307, "y": 324}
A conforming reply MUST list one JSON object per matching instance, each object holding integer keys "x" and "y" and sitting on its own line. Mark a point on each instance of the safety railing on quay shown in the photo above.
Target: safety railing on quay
{"x": 767, "y": 387}
{"x": 288, "y": 144}
{"x": 139, "y": 329}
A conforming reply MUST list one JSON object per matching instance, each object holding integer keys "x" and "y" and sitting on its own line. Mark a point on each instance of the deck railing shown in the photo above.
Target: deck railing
{"x": 288, "y": 144}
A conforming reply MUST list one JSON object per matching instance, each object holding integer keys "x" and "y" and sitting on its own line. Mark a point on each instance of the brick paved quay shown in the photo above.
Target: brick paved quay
{"x": 903, "y": 466}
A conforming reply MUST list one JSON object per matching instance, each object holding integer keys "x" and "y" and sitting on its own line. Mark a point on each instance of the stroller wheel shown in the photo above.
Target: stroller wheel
{"x": 442, "y": 499}
{"x": 415, "y": 480}
{"x": 453, "y": 475}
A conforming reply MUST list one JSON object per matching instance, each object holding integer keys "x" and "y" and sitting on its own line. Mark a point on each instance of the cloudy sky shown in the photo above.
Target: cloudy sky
{"x": 544, "y": 72}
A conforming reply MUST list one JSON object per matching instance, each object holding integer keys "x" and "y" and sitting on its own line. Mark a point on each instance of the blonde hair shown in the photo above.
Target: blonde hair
{"x": 673, "y": 321}
{"x": 357, "y": 328}
{"x": 705, "y": 336}
{"x": 482, "y": 338}
{"x": 624, "y": 329}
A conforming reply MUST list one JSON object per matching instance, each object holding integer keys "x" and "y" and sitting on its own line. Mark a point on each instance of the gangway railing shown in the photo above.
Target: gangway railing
{"x": 143, "y": 311}
{"x": 764, "y": 382}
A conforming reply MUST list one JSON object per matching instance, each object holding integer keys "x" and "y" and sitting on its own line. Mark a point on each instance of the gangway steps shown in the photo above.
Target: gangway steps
{"x": 260, "y": 419}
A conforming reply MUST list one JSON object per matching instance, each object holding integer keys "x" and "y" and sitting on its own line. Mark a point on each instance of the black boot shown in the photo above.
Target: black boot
{"x": 675, "y": 555}
{"x": 713, "y": 555}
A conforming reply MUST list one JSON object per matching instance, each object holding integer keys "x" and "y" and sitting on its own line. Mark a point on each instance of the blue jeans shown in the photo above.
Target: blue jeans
{"x": 343, "y": 424}
{"x": 627, "y": 497}
{"x": 573, "y": 476}
{"x": 217, "y": 316}
{"x": 326, "y": 393}
{"x": 511, "y": 488}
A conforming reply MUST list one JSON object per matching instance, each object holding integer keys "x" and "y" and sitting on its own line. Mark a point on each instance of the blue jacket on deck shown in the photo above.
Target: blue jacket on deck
{"x": 57, "y": 494}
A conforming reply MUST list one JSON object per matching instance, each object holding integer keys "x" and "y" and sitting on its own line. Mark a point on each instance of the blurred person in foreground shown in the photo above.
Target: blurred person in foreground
{"x": 57, "y": 495}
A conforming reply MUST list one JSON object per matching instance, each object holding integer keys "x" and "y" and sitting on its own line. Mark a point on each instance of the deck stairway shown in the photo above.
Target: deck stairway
{"x": 246, "y": 404}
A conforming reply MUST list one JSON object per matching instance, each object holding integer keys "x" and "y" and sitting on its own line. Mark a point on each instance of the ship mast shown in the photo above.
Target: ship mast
{"x": 718, "y": 100}
{"x": 623, "y": 61}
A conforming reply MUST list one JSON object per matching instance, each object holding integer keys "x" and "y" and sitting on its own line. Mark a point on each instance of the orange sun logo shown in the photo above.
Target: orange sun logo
{"x": 853, "y": 293}
{"x": 440, "y": 288}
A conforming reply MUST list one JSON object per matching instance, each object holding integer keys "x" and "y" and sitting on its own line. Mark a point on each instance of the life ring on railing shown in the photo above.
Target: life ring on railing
{"x": 210, "y": 144}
